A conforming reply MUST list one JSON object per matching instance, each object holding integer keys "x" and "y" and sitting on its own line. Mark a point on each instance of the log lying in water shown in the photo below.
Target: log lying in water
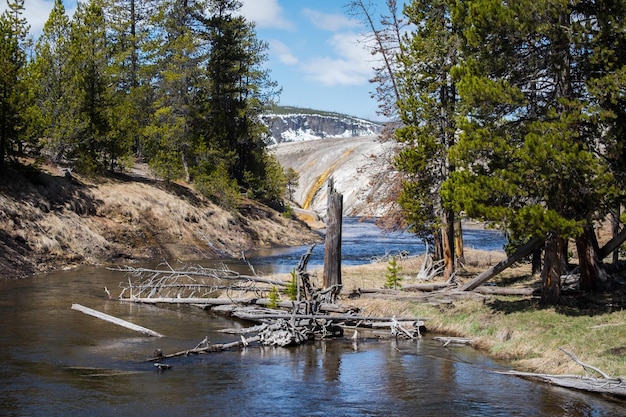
{"x": 115, "y": 320}
{"x": 209, "y": 302}
{"x": 603, "y": 385}
{"x": 611, "y": 386}
{"x": 454, "y": 340}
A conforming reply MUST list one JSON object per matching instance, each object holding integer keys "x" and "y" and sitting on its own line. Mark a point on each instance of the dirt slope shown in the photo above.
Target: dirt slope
{"x": 50, "y": 221}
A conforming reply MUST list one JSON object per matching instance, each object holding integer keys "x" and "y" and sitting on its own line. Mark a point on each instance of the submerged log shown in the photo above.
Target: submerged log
{"x": 454, "y": 340}
{"x": 115, "y": 320}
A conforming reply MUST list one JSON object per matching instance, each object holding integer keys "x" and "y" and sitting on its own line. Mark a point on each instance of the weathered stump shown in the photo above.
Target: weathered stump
{"x": 332, "y": 248}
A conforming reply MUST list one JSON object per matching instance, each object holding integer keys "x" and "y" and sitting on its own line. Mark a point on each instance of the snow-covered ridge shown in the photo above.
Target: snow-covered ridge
{"x": 297, "y": 127}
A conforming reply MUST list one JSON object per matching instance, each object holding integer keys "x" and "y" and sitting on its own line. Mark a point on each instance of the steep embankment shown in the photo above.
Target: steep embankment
{"x": 49, "y": 221}
{"x": 360, "y": 167}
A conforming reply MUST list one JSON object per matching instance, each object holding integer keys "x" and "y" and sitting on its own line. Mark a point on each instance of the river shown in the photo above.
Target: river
{"x": 58, "y": 362}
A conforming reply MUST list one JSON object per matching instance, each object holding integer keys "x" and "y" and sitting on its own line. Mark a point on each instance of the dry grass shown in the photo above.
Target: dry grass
{"x": 48, "y": 221}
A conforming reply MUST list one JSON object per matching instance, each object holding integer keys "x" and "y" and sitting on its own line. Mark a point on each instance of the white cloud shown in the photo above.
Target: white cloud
{"x": 282, "y": 52}
{"x": 351, "y": 63}
{"x": 267, "y": 14}
{"x": 330, "y": 22}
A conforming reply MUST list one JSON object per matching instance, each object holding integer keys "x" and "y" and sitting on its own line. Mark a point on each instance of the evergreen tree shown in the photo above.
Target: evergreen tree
{"x": 530, "y": 135}
{"x": 174, "y": 52}
{"x": 86, "y": 122}
{"x": 127, "y": 37}
{"x": 49, "y": 80}
{"x": 428, "y": 111}
{"x": 238, "y": 91}
{"x": 13, "y": 43}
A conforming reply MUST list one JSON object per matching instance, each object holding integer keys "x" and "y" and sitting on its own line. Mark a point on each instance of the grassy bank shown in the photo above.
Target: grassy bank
{"x": 513, "y": 328}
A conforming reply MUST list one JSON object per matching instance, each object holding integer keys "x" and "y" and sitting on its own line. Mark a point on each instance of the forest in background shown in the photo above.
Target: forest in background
{"x": 177, "y": 84}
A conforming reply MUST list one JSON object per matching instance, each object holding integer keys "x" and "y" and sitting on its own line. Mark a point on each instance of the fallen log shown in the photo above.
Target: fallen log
{"x": 611, "y": 386}
{"x": 435, "y": 286}
{"x": 518, "y": 255}
{"x": 507, "y": 291}
{"x": 454, "y": 340}
{"x": 226, "y": 274}
{"x": 603, "y": 385}
{"x": 343, "y": 318}
{"x": 613, "y": 244}
{"x": 115, "y": 320}
{"x": 208, "y": 302}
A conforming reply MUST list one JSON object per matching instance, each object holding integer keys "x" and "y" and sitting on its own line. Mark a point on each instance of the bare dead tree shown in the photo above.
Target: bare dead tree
{"x": 384, "y": 40}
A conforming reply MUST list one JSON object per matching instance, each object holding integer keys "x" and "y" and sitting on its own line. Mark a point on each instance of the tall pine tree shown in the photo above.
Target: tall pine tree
{"x": 13, "y": 43}
{"x": 428, "y": 110}
{"x": 530, "y": 146}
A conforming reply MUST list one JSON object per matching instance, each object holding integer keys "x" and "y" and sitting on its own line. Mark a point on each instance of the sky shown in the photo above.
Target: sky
{"x": 315, "y": 53}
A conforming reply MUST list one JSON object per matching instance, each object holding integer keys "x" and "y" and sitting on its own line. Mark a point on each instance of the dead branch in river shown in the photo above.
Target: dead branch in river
{"x": 603, "y": 385}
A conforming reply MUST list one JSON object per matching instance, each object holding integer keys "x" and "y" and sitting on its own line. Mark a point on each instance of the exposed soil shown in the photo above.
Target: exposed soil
{"x": 48, "y": 221}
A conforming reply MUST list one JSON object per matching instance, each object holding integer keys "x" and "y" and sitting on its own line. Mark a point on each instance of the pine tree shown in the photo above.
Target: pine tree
{"x": 49, "y": 80}
{"x": 13, "y": 44}
{"x": 86, "y": 121}
{"x": 174, "y": 53}
{"x": 127, "y": 36}
{"x": 238, "y": 91}
{"x": 530, "y": 135}
{"x": 428, "y": 112}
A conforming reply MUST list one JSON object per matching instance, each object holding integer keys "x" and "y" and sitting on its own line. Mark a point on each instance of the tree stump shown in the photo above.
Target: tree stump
{"x": 332, "y": 248}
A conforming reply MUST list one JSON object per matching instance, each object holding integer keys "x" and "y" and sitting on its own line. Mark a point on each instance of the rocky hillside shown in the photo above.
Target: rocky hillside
{"x": 360, "y": 167}
{"x": 49, "y": 221}
{"x": 296, "y": 125}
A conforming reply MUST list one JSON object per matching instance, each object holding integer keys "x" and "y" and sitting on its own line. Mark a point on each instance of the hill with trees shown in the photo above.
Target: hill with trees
{"x": 178, "y": 85}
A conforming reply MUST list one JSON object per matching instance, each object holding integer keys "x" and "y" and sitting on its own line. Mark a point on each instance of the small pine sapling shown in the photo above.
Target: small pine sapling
{"x": 273, "y": 297}
{"x": 393, "y": 279}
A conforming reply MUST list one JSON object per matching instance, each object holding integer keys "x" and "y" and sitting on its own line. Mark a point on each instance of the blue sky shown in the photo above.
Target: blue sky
{"x": 314, "y": 55}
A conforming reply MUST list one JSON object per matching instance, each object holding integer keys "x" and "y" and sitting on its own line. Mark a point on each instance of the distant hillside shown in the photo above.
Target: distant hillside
{"x": 293, "y": 124}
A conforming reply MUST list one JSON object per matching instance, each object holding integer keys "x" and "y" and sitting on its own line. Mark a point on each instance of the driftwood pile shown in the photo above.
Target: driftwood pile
{"x": 314, "y": 314}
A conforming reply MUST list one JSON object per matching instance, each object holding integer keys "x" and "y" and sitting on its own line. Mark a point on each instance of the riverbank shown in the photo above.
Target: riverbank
{"x": 49, "y": 221}
{"x": 515, "y": 329}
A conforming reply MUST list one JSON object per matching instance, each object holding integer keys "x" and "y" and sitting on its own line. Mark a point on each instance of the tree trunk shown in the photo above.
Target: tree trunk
{"x": 447, "y": 240}
{"x": 332, "y": 248}
{"x": 437, "y": 246}
{"x": 518, "y": 255}
{"x": 458, "y": 241}
{"x": 615, "y": 227}
{"x": 536, "y": 261}
{"x": 551, "y": 274}
{"x": 592, "y": 275}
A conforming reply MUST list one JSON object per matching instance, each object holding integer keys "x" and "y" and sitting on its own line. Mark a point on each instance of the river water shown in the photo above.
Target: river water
{"x": 58, "y": 362}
